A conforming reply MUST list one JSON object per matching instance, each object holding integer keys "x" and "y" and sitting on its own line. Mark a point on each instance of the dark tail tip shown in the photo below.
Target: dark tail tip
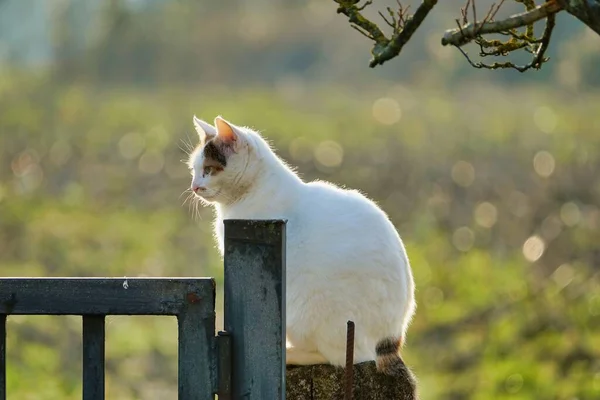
{"x": 390, "y": 363}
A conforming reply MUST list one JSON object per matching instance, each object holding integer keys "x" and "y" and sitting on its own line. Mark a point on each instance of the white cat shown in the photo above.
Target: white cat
{"x": 345, "y": 261}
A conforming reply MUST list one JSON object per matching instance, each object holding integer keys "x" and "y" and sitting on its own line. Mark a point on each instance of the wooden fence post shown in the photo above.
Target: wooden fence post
{"x": 255, "y": 307}
{"x": 326, "y": 382}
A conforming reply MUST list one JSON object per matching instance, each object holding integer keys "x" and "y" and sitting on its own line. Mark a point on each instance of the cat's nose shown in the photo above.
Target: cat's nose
{"x": 198, "y": 189}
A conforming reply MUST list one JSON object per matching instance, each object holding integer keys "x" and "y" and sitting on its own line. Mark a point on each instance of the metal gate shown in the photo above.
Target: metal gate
{"x": 247, "y": 360}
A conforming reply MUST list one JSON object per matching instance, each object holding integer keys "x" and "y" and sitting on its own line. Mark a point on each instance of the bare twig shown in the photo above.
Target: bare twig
{"x": 460, "y": 37}
{"x": 464, "y": 14}
{"x": 492, "y": 13}
{"x": 365, "y": 34}
{"x": 402, "y": 12}
{"x": 474, "y": 16}
{"x": 391, "y": 23}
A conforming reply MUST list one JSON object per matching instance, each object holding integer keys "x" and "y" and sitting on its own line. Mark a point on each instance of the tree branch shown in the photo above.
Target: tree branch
{"x": 404, "y": 26}
{"x": 587, "y": 11}
{"x": 401, "y": 36}
{"x": 351, "y": 10}
{"x": 384, "y": 48}
{"x": 465, "y": 34}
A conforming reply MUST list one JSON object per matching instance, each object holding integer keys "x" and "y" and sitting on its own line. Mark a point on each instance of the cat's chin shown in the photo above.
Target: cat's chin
{"x": 207, "y": 199}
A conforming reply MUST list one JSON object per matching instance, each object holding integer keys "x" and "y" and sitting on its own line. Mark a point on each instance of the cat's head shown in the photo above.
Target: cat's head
{"x": 220, "y": 164}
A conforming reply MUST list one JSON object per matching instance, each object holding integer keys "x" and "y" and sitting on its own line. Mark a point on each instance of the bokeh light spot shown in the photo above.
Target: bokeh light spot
{"x": 543, "y": 164}
{"x": 563, "y": 275}
{"x": 551, "y": 228}
{"x": 514, "y": 383}
{"x": 387, "y": 111}
{"x": 463, "y": 173}
{"x": 151, "y": 163}
{"x": 545, "y": 119}
{"x": 329, "y": 154}
{"x": 570, "y": 214}
{"x": 533, "y": 248}
{"x": 486, "y": 214}
{"x": 463, "y": 238}
{"x": 131, "y": 145}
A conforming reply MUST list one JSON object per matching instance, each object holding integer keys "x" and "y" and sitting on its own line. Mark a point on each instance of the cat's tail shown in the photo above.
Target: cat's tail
{"x": 390, "y": 362}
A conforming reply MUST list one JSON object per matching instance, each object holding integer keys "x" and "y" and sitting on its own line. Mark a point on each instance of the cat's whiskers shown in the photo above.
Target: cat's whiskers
{"x": 188, "y": 146}
{"x": 186, "y": 190}
{"x": 196, "y": 215}
{"x": 188, "y": 197}
{"x": 192, "y": 201}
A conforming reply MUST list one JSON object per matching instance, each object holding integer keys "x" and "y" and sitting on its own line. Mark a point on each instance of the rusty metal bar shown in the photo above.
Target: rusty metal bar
{"x": 349, "y": 373}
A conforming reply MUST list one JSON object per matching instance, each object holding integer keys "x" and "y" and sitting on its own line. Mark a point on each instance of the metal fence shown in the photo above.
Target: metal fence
{"x": 247, "y": 360}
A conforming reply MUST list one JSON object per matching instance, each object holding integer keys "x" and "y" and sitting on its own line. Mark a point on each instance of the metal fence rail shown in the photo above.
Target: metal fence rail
{"x": 190, "y": 300}
{"x": 248, "y": 360}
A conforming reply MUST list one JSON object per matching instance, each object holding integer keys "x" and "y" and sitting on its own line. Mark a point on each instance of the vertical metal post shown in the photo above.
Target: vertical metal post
{"x": 255, "y": 307}
{"x": 349, "y": 372}
{"x": 93, "y": 357}
{"x": 224, "y": 365}
{"x": 196, "y": 334}
{"x": 2, "y": 356}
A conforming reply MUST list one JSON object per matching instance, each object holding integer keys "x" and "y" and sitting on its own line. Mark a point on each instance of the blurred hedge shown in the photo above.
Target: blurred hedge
{"x": 495, "y": 192}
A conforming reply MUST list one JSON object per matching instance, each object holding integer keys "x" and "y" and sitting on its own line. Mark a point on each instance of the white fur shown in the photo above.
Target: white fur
{"x": 345, "y": 260}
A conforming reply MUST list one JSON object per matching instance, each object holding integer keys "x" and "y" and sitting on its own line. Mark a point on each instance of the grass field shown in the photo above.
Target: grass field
{"x": 496, "y": 200}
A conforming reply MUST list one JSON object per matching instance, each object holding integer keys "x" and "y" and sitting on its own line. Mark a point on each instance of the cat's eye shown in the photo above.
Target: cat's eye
{"x": 209, "y": 170}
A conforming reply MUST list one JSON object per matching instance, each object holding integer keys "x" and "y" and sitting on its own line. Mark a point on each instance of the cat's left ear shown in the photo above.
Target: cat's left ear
{"x": 205, "y": 130}
{"x": 226, "y": 131}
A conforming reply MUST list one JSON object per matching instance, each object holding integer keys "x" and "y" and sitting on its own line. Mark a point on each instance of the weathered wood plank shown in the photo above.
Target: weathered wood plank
{"x": 93, "y": 357}
{"x": 197, "y": 359}
{"x": 2, "y": 357}
{"x": 102, "y": 296}
{"x": 255, "y": 307}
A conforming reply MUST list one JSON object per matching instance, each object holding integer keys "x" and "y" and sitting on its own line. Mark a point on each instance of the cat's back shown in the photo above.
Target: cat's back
{"x": 338, "y": 221}
{"x": 329, "y": 203}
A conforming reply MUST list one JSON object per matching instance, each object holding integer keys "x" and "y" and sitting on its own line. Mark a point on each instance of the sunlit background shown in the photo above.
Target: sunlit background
{"x": 490, "y": 177}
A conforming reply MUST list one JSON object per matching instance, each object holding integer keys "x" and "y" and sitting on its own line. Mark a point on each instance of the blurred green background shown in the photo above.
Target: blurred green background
{"x": 490, "y": 177}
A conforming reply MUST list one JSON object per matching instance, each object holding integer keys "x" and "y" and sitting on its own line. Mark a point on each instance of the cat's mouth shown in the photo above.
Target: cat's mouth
{"x": 208, "y": 196}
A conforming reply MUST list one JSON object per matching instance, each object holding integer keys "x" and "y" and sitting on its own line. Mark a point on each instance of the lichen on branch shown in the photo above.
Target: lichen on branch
{"x": 475, "y": 30}
{"x": 465, "y": 34}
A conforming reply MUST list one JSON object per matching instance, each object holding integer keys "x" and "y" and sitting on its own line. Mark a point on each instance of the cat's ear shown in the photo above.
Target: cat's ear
{"x": 205, "y": 130}
{"x": 226, "y": 132}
